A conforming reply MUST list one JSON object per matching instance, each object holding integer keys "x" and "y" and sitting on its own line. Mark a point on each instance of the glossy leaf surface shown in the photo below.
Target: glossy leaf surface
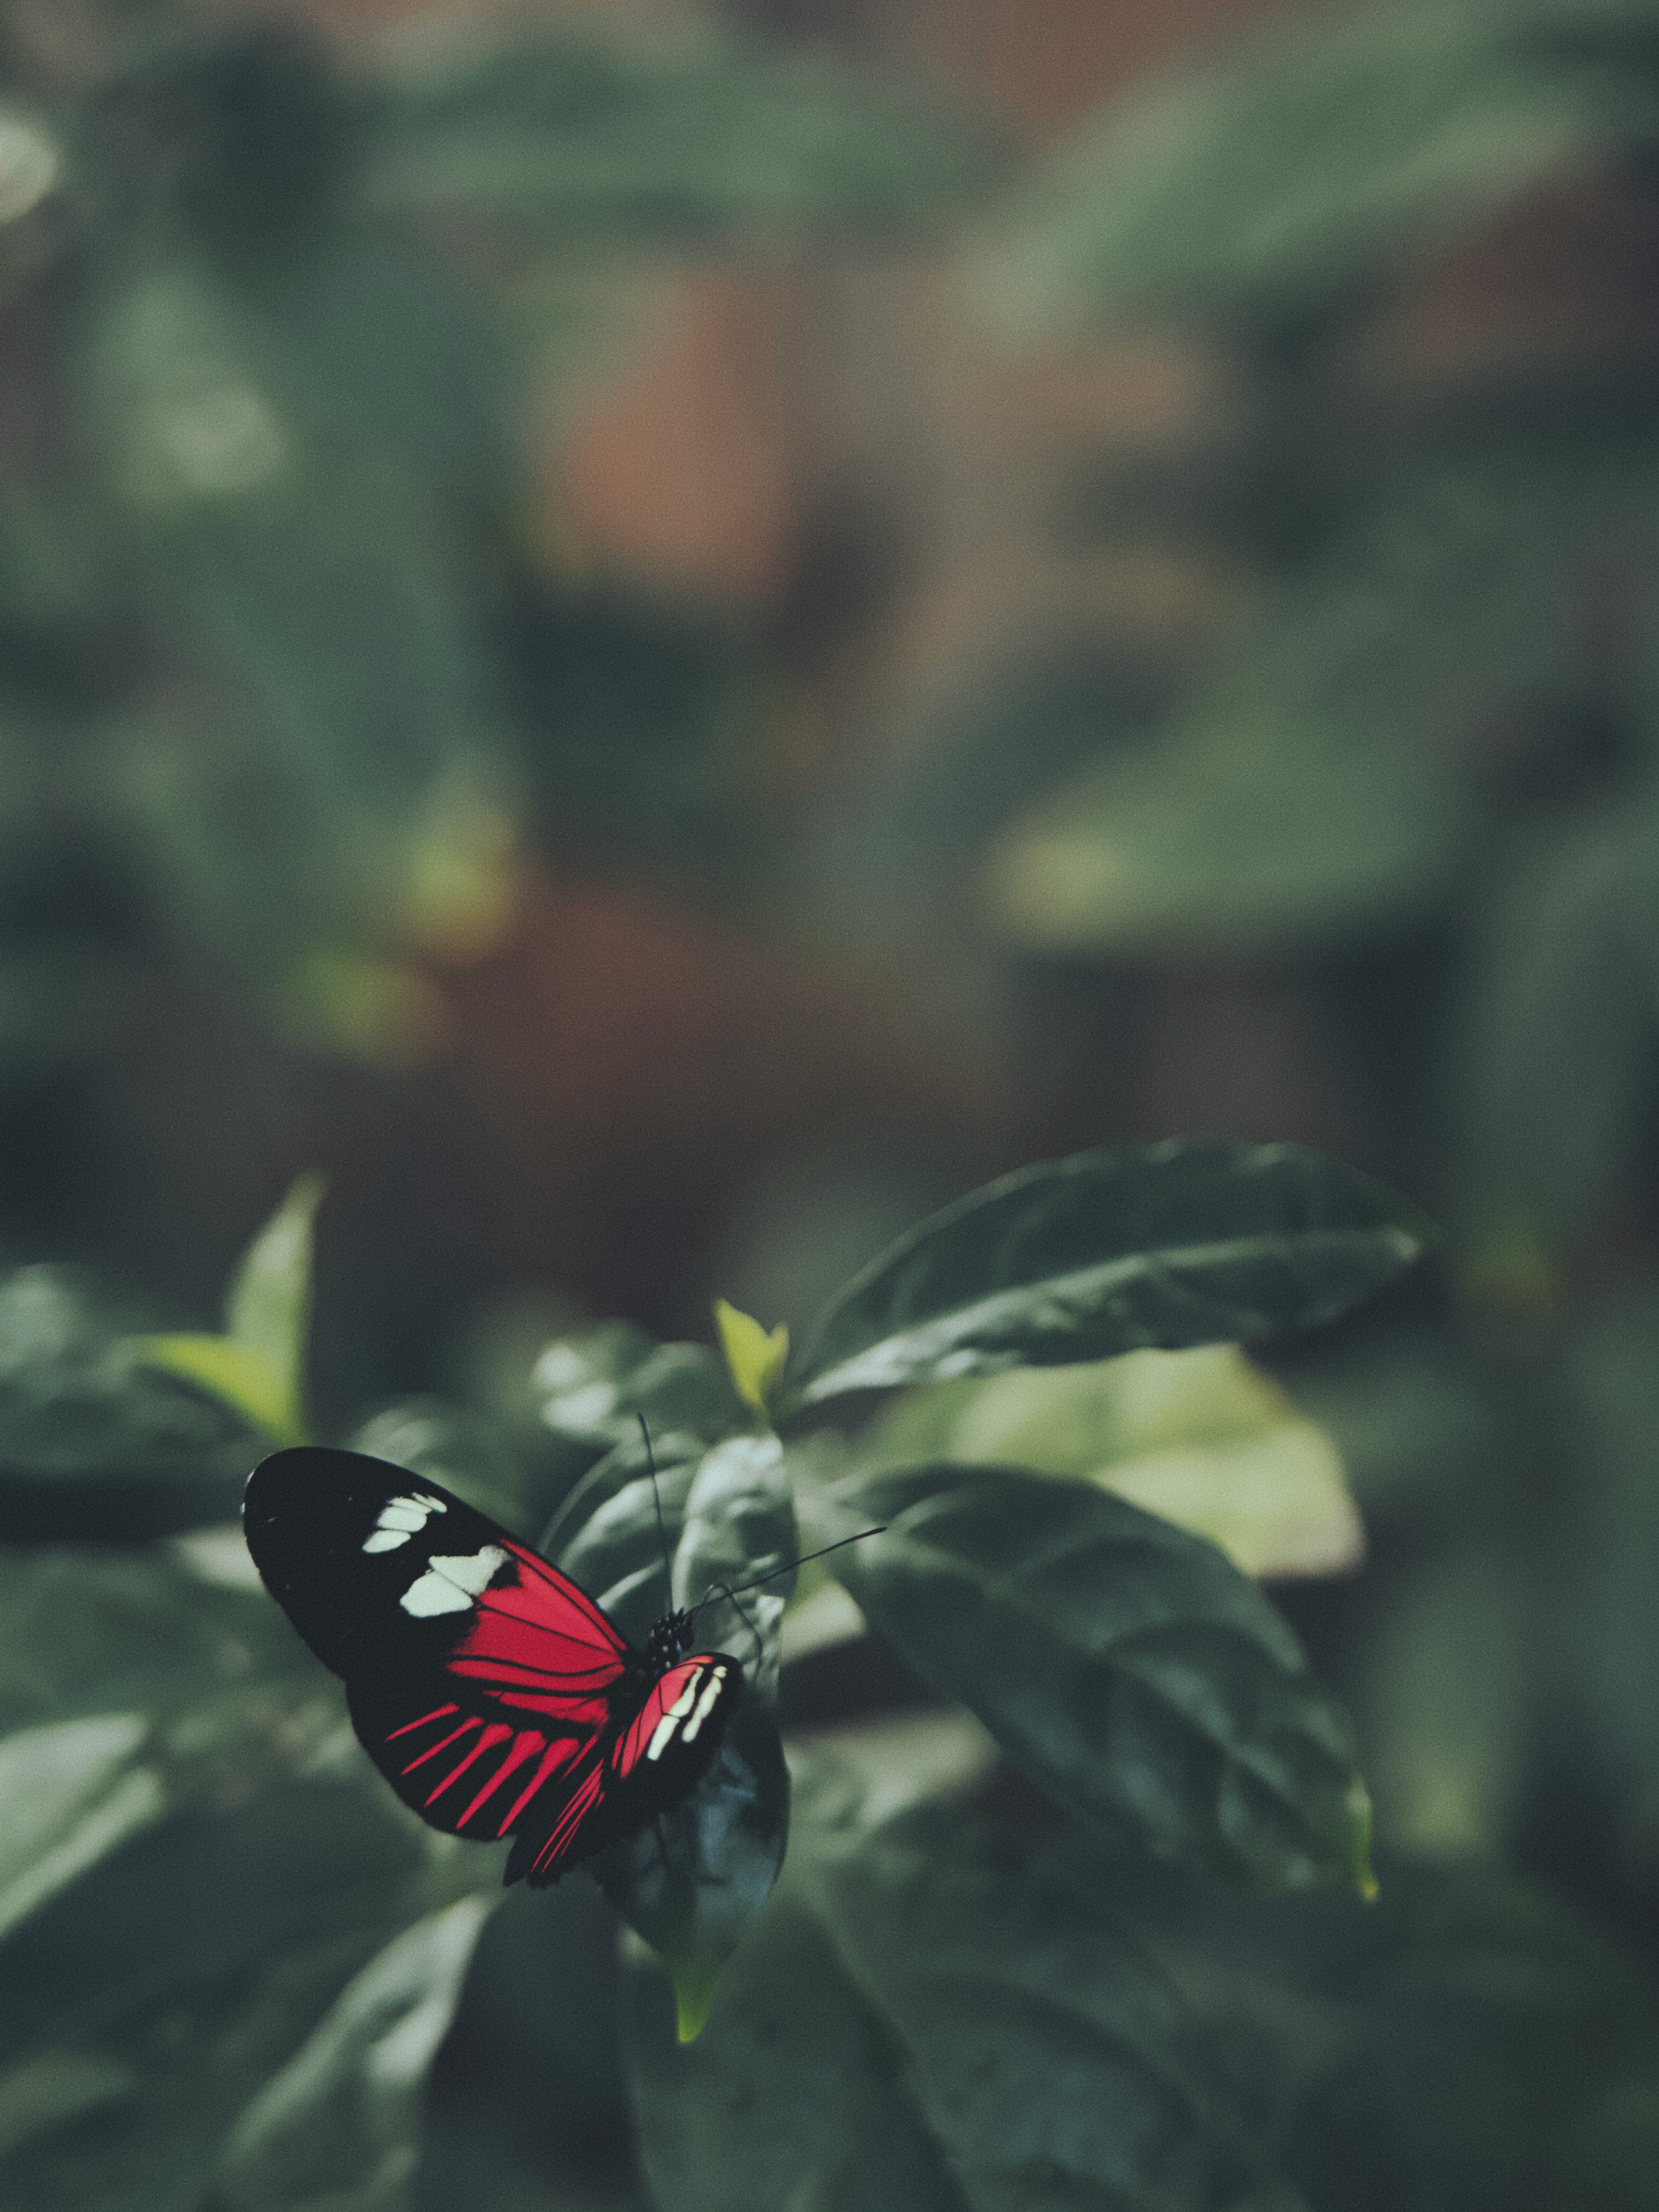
{"x": 1186, "y": 1243}
{"x": 931, "y": 2015}
{"x": 1122, "y": 1662}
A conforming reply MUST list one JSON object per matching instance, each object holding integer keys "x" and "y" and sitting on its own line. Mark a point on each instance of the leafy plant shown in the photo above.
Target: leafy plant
{"x": 165, "y": 1728}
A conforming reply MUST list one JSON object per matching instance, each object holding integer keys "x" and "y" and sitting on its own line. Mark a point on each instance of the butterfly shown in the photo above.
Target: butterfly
{"x": 491, "y": 1691}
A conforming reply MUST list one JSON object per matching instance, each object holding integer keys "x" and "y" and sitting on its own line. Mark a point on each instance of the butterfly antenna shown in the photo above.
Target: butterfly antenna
{"x": 760, "y": 1581}
{"x": 739, "y": 1607}
{"x": 662, "y": 1532}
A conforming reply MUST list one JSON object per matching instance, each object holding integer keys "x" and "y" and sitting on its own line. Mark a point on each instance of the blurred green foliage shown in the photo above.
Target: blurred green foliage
{"x": 280, "y": 682}
{"x": 281, "y": 677}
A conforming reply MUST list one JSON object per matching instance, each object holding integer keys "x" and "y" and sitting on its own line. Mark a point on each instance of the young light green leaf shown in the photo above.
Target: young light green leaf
{"x": 242, "y": 1378}
{"x": 1124, "y": 1664}
{"x": 257, "y": 1366}
{"x": 1186, "y": 1243}
{"x": 755, "y": 1356}
{"x": 268, "y": 1306}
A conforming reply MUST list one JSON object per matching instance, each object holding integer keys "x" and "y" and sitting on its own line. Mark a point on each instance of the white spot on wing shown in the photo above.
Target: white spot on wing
{"x": 709, "y": 1682}
{"x": 716, "y": 1677}
{"x": 399, "y": 1519}
{"x": 449, "y": 1585}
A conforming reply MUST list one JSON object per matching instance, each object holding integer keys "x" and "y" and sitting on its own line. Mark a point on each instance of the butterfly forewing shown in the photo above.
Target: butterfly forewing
{"x": 386, "y": 1575}
{"x": 489, "y": 1689}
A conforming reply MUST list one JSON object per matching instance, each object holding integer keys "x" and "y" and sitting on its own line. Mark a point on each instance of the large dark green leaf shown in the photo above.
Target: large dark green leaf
{"x": 691, "y": 137}
{"x": 1189, "y": 1243}
{"x": 933, "y": 2014}
{"x": 1275, "y": 183}
{"x": 1122, "y": 1662}
{"x": 691, "y": 1883}
{"x": 92, "y": 1441}
{"x": 795, "y": 2093}
{"x": 1466, "y": 2041}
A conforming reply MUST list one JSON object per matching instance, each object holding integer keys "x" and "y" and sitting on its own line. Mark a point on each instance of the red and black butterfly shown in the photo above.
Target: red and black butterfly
{"x": 492, "y": 1693}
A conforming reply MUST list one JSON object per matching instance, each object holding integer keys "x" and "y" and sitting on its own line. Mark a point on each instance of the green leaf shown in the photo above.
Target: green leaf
{"x": 1260, "y": 831}
{"x": 242, "y": 1377}
{"x": 1316, "y": 785}
{"x": 794, "y": 2093}
{"x": 1450, "y": 2045}
{"x": 1446, "y": 1697}
{"x": 268, "y": 1306}
{"x": 259, "y": 1366}
{"x": 92, "y": 1442}
{"x": 593, "y": 1386}
{"x": 1123, "y": 1663}
{"x": 755, "y": 1357}
{"x": 692, "y": 1881}
{"x": 931, "y": 2015}
{"x": 1475, "y": 2049}
{"x": 1278, "y": 182}
{"x": 1202, "y": 1437}
{"x": 1186, "y": 1244}
{"x": 688, "y": 137}
{"x": 340, "y": 2121}
{"x": 78, "y": 1791}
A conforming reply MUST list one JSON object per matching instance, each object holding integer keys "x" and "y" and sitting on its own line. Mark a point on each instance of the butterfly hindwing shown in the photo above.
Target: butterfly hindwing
{"x": 472, "y": 1770}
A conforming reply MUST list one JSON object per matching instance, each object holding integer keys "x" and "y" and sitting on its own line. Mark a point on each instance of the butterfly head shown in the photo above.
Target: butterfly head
{"x": 670, "y": 1638}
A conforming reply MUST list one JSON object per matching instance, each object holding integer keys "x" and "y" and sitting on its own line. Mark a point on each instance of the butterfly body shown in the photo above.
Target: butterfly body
{"x": 489, "y": 1689}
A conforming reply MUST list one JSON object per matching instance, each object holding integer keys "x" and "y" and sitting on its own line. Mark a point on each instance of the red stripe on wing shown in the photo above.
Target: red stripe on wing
{"x": 497, "y": 1733}
{"x": 535, "y": 1763}
{"x": 541, "y": 1645}
{"x": 548, "y": 1860}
